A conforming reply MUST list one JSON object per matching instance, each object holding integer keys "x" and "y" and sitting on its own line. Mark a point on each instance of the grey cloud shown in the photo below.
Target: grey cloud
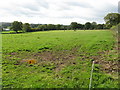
{"x": 111, "y": 8}
{"x": 64, "y": 8}
{"x": 61, "y": 6}
{"x": 22, "y": 11}
{"x": 36, "y": 6}
{"x": 28, "y": 14}
{"x": 79, "y": 4}
{"x": 82, "y": 17}
{"x": 26, "y": 9}
{"x": 101, "y": 12}
{"x": 42, "y": 3}
{"x": 32, "y": 7}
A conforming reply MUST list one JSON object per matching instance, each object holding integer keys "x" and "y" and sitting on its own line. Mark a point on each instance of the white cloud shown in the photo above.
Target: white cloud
{"x": 56, "y": 11}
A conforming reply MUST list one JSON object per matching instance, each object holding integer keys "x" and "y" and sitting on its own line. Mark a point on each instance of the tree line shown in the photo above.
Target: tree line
{"x": 111, "y": 19}
{"x": 26, "y": 27}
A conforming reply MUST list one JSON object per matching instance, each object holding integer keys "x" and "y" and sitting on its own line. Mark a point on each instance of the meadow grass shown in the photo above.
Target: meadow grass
{"x": 64, "y": 59}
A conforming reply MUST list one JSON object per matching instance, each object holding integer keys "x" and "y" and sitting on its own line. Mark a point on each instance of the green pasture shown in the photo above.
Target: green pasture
{"x": 64, "y": 59}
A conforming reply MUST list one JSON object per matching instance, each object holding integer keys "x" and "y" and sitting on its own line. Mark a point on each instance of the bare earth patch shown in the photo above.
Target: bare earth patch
{"x": 60, "y": 59}
{"x": 107, "y": 66}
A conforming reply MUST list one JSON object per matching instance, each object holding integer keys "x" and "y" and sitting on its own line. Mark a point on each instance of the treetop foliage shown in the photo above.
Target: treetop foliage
{"x": 112, "y": 18}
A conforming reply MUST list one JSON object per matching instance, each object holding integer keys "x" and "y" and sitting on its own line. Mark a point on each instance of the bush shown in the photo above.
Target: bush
{"x": 116, "y": 29}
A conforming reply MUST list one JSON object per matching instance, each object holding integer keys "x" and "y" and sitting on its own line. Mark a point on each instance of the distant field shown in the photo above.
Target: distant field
{"x": 63, "y": 59}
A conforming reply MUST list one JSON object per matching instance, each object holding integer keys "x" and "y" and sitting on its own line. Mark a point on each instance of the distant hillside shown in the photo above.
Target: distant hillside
{"x": 8, "y": 24}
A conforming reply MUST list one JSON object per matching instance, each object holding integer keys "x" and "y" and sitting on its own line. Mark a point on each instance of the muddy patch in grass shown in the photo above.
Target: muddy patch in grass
{"x": 107, "y": 63}
{"x": 108, "y": 66}
{"x": 60, "y": 59}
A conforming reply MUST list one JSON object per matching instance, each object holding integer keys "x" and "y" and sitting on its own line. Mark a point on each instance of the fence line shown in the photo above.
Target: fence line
{"x": 91, "y": 76}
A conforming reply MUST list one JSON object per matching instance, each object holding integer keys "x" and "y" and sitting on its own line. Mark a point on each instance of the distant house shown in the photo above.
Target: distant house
{"x": 6, "y": 29}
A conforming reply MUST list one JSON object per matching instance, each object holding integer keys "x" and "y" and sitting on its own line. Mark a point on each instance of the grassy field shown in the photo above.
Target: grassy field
{"x": 62, "y": 59}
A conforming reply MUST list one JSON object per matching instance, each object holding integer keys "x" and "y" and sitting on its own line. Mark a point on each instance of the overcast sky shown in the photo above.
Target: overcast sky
{"x": 56, "y": 11}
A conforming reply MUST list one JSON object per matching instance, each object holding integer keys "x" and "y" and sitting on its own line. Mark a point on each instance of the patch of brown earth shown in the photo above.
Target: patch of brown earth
{"x": 13, "y": 53}
{"x": 60, "y": 59}
{"x": 108, "y": 66}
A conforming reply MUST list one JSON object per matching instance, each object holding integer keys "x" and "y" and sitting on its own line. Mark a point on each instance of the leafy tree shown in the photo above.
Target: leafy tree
{"x": 88, "y": 25}
{"x": 26, "y": 27}
{"x": 42, "y": 27}
{"x": 16, "y": 26}
{"x": 107, "y": 26}
{"x": 50, "y": 27}
{"x": 80, "y": 26}
{"x": 58, "y": 27}
{"x": 100, "y": 26}
{"x": 94, "y": 25}
{"x": 64, "y": 27}
{"x": 112, "y": 18}
{"x": 74, "y": 25}
{"x": 34, "y": 25}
